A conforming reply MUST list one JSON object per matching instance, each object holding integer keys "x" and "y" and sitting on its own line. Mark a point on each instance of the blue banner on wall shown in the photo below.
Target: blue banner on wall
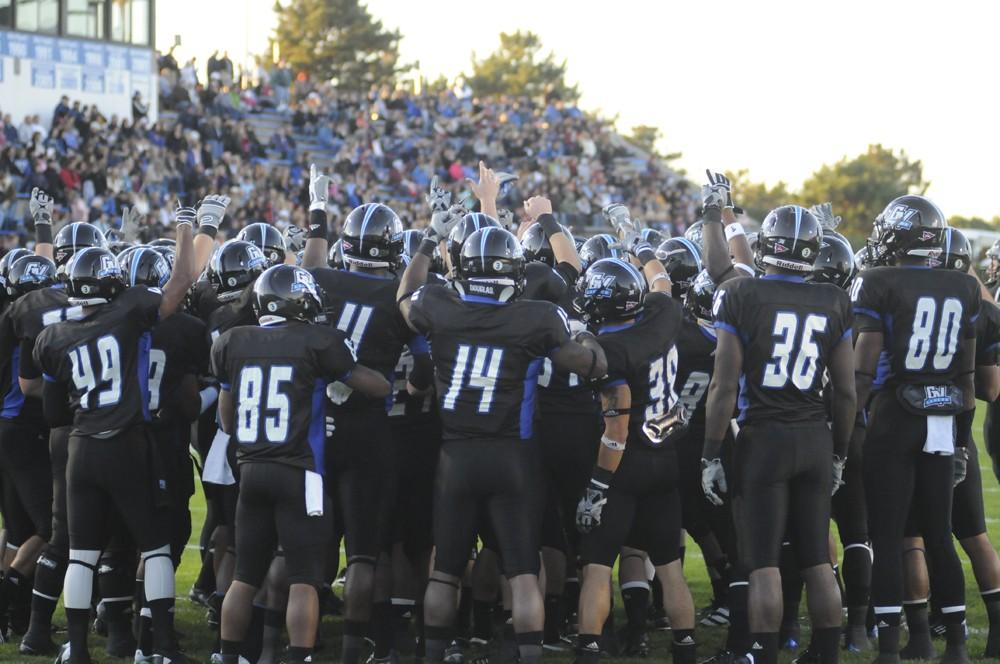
{"x": 117, "y": 57}
{"x": 19, "y": 46}
{"x": 93, "y": 55}
{"x": 69, "y": 78}
{"x": 93, "y": 81}
{"x": 43, "y": 75}
{"x": 68, "y": 52}
{"x": 43, "y": 48}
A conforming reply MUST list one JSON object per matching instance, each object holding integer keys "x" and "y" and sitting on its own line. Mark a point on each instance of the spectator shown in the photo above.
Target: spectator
{"x": 139, "y": 108}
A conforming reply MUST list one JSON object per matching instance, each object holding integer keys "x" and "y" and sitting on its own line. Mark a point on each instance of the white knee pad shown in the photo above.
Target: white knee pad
{"x": 159, "y": 578}
{"x": 79, "y": 584}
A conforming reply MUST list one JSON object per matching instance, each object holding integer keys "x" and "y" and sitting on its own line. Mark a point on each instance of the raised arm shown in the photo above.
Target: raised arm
{"x": 211, "y": 212}
{"x": 716, "y": 203}
{"x": 41, "y": 213}
{"x": 415, "y": 275}
{"x": 182, "y": 276}
{"x": 317, "y": 243}
{"x": 486, "y": 190}
{"x": 539, "y": 209}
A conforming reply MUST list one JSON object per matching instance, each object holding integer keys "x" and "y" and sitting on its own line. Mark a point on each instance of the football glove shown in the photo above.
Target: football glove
{"x": 211, "y": 210}
{"x": 838, "y": 473}
{"x": 185, "y": 215}
{"x": 438, "y": 198}
{"x": 295, "y": 238}
{"x": 40, "y": 206}
{"x": 825, "y": 216}
{"x": 338, "y": 392}
{"x": 319, "y": 189}
{"x": 442, "y": 223}
{"x": 588, "y": 510}
{"x": 713, "y": 480}
{"x": 961, "y": 465}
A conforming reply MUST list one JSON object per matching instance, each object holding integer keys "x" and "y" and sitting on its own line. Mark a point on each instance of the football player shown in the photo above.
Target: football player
{"x": 777, "y": 336}
{"x": 93, "y": 362}
{"x": 924, "y": 321}
{"x": 272, "y": 402}
{"x": 488, "y": 347}
{"x": 632, "y": 498}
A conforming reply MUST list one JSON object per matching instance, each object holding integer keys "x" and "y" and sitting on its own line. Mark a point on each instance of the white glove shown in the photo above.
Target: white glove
{"x": 338, "y": 393}
{"x": 961, "y": 465}
{"x": 825, "y": 216}
{"x": 295, "y": 238}
{"x": 185, "y": 215}
{"x": 588, "y": 510}
{"x": 130, "y": 223}
{"x": 617, "y": 215}
{"x": 438, "y": 198}
{"x": 319, "y": 189}
{"x": 718, "y": 191}
{"x": 212, "y": 210}
{"x": 838, "y": 473}
{"x": 713, "y": 480}
{"x": 40, "y": 206}
{"x": 443, "y": 222}
{"x": 576, "y": 327}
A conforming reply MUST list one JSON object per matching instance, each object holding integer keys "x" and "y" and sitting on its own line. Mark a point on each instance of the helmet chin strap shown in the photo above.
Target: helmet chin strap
{"x": 271, "y": 320}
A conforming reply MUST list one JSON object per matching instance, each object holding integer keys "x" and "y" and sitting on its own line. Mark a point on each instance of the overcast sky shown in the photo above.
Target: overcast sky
{"x": 779, "y": 87}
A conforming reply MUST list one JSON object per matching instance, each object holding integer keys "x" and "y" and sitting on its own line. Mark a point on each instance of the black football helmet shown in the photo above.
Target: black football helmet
{"x": 681, "y": 259}
{"x": 145, "y": 267}
{"x": 169, "y": 254}
{"x": 286, "y": 292}
{"x": 789, "y": 238}
{"x": 411, "y": 241}
{"x": 861, "y": 259}
{"x": 491, "y": 265}
{"x": 955, "y": 251}
{"x": 537, "y": 247}
{"x": 612, "y": 289}
{"x": 235, "y": 265}
{"x": 28, "y": 273}
{"x": 268, "y": 239}
{"x": 335, "y": 256}
{"x": 698, "y": 298}
{"x": 8, "y": 260}
{"x": 73, "y": 237}
{"x": 908, "y": 226}
{"x": 93, "y": 277}
{"x": 469, "y": 224}
{"x": 654, "y": 236}
{"x": 600, "y": 246}
{"x": 118, "y": 246}
{"x": 695, "y": 232}
{"x": 835, "y": 263}
{"x": 372, "y": 237}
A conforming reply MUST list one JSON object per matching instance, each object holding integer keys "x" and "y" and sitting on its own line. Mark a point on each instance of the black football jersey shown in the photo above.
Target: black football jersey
{"x": 552, "y": 284}
{"x": 405, "y": 404}
{"x": 696, "y": 361}
{"x": 103, "y": 358}
{"x": 363, "y": 306}
{"x": 14, "y": 405}
{"x": 487, "y": 357}
{"x": 30, "y": 314}
{"x": 987, "y": 334}
{"x": 202, "y": 299}
{"x": 643, "y": 354}
{"x": 278, "y": 375}
{"x": 789, "y": 329}
{"x": 232, "y": 314}
{"x": 179, "y": 347}
{"x": 923, "y": 314}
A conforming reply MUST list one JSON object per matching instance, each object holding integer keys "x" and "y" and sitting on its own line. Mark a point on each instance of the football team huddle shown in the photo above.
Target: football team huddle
{"x": 493, "y": 421}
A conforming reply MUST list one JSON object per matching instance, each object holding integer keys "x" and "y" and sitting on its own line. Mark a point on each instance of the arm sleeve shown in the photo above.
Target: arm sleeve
{"x": 419, "y": 305}
{"x": 218, "y": 362}
{"x": 617, "y": 363}
{"x": 726, "y": 308}
{"x": 568, "y": 273}
{"x": 866, "y": 296}
{"x": 337, "y": 357}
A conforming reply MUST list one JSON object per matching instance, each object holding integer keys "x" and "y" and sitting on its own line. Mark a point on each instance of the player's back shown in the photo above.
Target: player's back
{"x": 487, "y": 355}
{"x": 643, "y": 354}
{"x": 695, "y": 364}
{"x": 789, "y": 329}
{"x": 923, "y": 313}
{"x": 278, "y": 376}
{"x": 178, "y": 347}
{"x": 363, "y": 306}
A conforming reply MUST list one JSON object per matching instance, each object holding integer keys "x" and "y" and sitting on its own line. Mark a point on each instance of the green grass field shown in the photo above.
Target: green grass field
{"x": 198, "y": 640}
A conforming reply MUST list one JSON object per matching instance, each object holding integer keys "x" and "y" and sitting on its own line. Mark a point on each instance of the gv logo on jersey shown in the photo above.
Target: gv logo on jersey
{"x": 936, "y": 396}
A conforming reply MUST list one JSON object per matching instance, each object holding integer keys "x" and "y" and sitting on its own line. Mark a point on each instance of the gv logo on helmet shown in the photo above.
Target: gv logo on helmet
{"x": 900, "y": 215}
{"x": 109, "y": 267}
{"x": 34, "y": 272}
{"x": 600, "y": 284}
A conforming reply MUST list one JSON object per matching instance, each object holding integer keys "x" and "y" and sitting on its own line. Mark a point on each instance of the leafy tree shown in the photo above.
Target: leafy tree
{"x": 756, "y": 198}
{"x": 518, "y": 67}
{"x": 861, "y": 186}
{"x": 337, "y": 40}
{"x": 975, "y": 222}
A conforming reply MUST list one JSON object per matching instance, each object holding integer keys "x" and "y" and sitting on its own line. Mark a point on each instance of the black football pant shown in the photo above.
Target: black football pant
{"x": 27, "y": 481}
{"x": 569, "y": 443}
{"x": 899, "y": 477}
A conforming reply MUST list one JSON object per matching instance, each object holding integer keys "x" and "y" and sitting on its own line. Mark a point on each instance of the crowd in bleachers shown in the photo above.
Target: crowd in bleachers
{"x": 255, "y": 140}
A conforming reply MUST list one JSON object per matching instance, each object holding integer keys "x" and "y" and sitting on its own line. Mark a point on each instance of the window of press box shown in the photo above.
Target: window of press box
{"x": 130, "y": 21}
{"x": 6, "y": 15}
{"x": 38, "y": 16}
{"x": 85, "y": 18}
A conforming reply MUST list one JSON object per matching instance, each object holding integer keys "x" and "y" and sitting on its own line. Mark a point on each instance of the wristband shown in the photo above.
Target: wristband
{"x": 210, "y": 231}
{"x": 601, "y": 477}
{"x": 734, "y": 229}
{"x": 613, "y": 412}
{"x": 662, "y": 276}
{"x": 427, "y": 247}
{"x": 43, "y": 232}
{"x": 317, "y": 225}
{"x": 712, "y": 215}
{"x": 645, "y": 255}
{"x": 317, "y": 206}
{"x": 549, "y": 224}
{"x": 746, "y": 268}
